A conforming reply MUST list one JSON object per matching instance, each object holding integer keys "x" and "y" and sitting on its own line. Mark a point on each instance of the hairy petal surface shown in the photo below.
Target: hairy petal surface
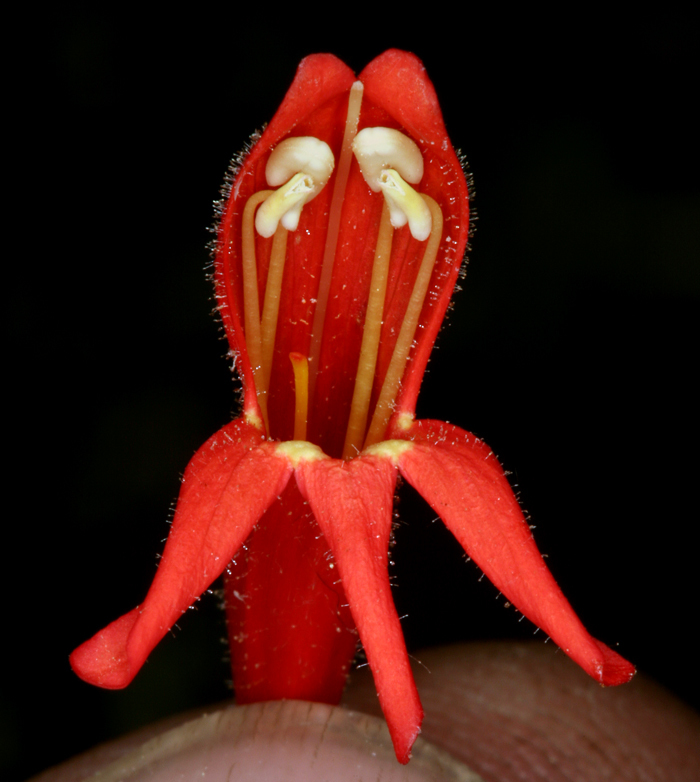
{"x": 464, "y": 483}
{"x": 315, "y": 105}
{"x": 228, "y": 485}
{"x": 397, "y": 82}
{"x": 353, "y": 503}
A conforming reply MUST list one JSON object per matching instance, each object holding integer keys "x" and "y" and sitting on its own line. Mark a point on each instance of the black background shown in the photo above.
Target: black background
{"x": 571, "y": 349}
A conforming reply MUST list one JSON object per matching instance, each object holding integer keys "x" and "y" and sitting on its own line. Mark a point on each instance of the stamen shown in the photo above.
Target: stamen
{"x": 300, "y": 366}
{"x": 299, "y": 167}
{"x": 307, "y": 154}
{"x": 251, "y": 302}
{"x": 389, "y": 160}
{"x": 399, "y": 358}
{"x": 406, "y": 205}
{"x": 341, "y": 180}
{"x": 359, "y": 408}
{"x": 273, "y": 295}
{"x": 377, "y": 149}
{"x": 285, "y": 204}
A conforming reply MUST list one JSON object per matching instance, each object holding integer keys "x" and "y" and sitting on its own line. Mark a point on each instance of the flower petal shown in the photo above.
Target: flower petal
{"x": 315, "y": 105}
{"x": 353, "y": 502}
{"x": 397, "y": 82}
{"x": 227, "y": 486}
{"x": 464, "y": 483}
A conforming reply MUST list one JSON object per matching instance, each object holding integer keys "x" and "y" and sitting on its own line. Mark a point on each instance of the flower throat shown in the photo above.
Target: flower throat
{"x": 300, "y": 167}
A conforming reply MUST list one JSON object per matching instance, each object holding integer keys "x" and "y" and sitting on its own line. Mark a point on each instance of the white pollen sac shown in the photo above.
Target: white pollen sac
{"x": 305, "y": 154}
{"x": 377, "y": 149}
{"x": 389, "y": 160}
{"x": 300, "y": 168}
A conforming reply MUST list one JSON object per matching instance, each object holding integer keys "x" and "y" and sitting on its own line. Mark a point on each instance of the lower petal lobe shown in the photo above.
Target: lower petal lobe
{"x": 227, "y": 487}
{"x": 464, "y": 483}
{"x": 353, "y": 503}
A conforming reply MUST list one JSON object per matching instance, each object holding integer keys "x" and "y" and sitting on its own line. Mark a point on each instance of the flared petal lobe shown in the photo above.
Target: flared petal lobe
{"x": 227, "y": 487}
{"x": 353, "y": 502}
{"x": 463, "y": 482}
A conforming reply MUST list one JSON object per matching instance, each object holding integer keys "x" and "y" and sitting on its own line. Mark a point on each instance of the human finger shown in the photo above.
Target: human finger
{"x": 522, "y": 711}
{"x": 290, "y": 740}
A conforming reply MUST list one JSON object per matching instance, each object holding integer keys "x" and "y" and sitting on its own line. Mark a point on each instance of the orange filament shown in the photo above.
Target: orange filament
{"x": 364, "y": 379}
{"x": 271, "y": 305}
{"x": 300, "y": 366}
{"x": 399, "y": 358}
{"x": 251, "y": 302}
{"x": 341, "y": 180}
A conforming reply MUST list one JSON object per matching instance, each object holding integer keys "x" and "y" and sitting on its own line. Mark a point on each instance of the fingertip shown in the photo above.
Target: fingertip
{"x": 290, "y": 740}
{"x": 523, "y": 711}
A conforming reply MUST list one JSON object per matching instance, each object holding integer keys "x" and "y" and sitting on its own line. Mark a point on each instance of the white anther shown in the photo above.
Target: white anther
{"x": 309, "y": 162}
{"x": 389, "y": 160}
{"x": 377, "y": 149}
{"x": 304, "y": 154}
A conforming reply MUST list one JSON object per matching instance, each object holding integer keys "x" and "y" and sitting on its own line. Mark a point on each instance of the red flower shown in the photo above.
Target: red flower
{"x": 332, "y": 294}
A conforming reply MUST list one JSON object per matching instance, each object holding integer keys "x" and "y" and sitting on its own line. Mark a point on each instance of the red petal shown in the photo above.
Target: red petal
{"x": 464, "y": 483}
{"x": 315, "y": 105}
{"x": 397, "y": 82}
{"x": 228, "y": 485}
{"x": 353, "y": 504}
